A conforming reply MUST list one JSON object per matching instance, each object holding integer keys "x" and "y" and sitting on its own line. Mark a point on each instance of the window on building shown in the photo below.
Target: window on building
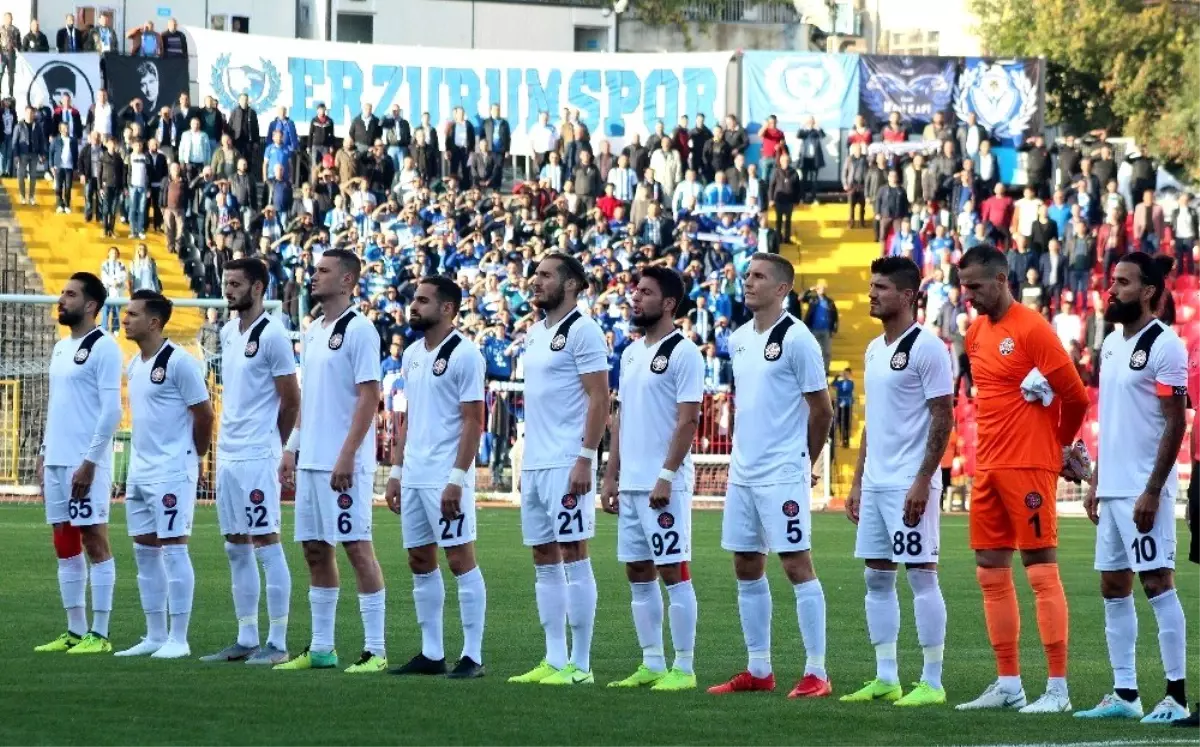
{"x": 239, "y": 24}
{"x": 355, "y": 28}
{"x": 591, "y": 39}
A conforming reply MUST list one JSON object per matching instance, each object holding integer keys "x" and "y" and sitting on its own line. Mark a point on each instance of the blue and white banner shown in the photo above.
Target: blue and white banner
{"x": 796, "y": 85}
{"x": 1007, "y": 96}
{"x": 42, "y": 79}
{"x": 917, "y": 87}
{"x": 616, "y": 95}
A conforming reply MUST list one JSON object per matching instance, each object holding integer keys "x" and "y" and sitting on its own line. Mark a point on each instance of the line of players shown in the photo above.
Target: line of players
{"x": 327, "y": 455}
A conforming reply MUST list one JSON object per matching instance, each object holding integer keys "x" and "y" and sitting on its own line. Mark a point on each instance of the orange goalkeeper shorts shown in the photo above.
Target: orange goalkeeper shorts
{"x": 1014, "y": 509}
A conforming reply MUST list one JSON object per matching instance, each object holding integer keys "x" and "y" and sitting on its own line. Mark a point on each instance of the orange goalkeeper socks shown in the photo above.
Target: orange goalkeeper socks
{"x": 1003, "y": 618}
{"x": 1051, "y": 603}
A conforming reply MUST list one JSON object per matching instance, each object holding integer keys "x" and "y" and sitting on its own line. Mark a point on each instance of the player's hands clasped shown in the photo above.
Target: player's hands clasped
{"x": 342, "y": 477}
{"x": 1145, "y": 510}
{"x": 609, "y": 500}
{"x": 451, "y": 501}
{"x": 853, "y": 503}
{"x": 81, "y": 481}
{"x": 287, "y": 470}
{"x": 1091, "y": 504}
{"x": 915, "y": 502}
{"x": 580, "y": 481}
{"x": 1076, "y": 466}
{"x": 391, "y": 494}
{"x": 660, "y": 496}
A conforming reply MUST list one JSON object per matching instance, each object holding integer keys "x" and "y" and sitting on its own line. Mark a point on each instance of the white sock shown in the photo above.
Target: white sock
{"x": 152, "y": 585}
{"x": 279, "y": 592}
{"x": 810, "y": 609}
{"x": 1010, "y": 683}
{"x": 683, "y": 614}
{"x": 246, "y": 587}
{"x": 754, "y": 607}
{"x": 581, "y": 611}
{"x": 104, "y": 580}
{"x": 429, "y": 596}
{"x": 1056, "y": 684}
{"x": 929, "y": 609}
{"x": 550, "y": 588}
{"x": 1172, "y": 643}
{"x": 373, "y": 610}
{"x": 472, "y": 611}
{"x": 322, "y": 601}
{"x": 181, "y": 587}
{"x": 72, "y": 586}
{"x": 646, "y": 604}
{"x": 883, "y": 622}
{"x": 1120, "y": 630}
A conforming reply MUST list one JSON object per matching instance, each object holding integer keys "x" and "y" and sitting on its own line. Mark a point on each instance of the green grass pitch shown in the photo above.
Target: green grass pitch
{"x": 55, "y": 699}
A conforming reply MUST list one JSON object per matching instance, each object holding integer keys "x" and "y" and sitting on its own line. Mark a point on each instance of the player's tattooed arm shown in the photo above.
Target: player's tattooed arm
{"x": 941, "y": 422}
{"x": 1174, "y": 410}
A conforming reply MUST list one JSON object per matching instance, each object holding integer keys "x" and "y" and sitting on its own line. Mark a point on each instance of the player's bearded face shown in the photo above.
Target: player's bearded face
{"x": 70, "y": 312}
{"x": 548, "y": 294}
{"x": 1122, "y": 312}
{"x": 423, "y": 316}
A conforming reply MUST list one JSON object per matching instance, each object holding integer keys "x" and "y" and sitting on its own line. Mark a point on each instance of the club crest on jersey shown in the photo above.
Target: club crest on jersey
{"x": 773, "y": 351}
{"x": 569, "y": 501}
{"x": 256, "y": 496}
{"x": 439, "y": 367}
{"x": 1138, "y": 360}
{"x": 1033, "y": 501}
{"x": 335, "y": 341}
{"x": 659, "y": 364}
{"x": 1007, "y": 346}
{"x": 899, "y": 361}
{"x": 81, "y": 355}
{"x": 169, "y": 500}
{"x": 791, "y": 509}
{"x": 251, "y": 348}
{"x": 158, "y": 375}
{"x": 666, "y": 520}
{"x": 344, "y": 501}
{"x": 559, "y": 342}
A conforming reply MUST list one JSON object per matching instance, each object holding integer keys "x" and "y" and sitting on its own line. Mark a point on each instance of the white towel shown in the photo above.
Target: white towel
{"x": 1035, "y": 388}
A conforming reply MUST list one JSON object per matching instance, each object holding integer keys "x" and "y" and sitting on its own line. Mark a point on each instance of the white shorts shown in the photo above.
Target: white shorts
{"x": 883, "y": 535}
{"x": 61, "y": 508}
{"x": 1119, "y": 544}
{"x": 248, "y": 497}
{"x": 421, "y": 521}
{"x": 549, "y": 513}
{"x": 164, "y": 508}
{"x": 323, "y": 515}
{"x": 767, "y": 518}
{"x": 662, "y": 535}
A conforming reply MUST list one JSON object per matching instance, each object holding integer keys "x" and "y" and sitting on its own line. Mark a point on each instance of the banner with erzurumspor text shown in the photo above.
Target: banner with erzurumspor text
{"x": 616, "y": 95}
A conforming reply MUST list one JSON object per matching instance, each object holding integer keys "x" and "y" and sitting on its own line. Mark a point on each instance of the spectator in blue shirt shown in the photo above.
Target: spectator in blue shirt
{"x": 278, "y": 153}
{"x": 392, "y": 363}
{"x": 821, "y": 319}
{"x": 843, "y": 388}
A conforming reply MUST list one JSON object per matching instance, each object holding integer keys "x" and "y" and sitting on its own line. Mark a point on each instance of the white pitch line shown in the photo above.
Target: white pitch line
{"x": 1103, "y": 743}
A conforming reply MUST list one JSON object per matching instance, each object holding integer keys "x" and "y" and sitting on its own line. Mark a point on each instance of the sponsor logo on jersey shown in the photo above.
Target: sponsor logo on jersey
{"x": 158, "y": 375}
{"x": 256, "y": 496}
{"x": 169, "y": 500}
{"x": 439, "y": 367}
{"x": 659, "y": 364}
{"x": 773, "y": 351}
{"x": 666, "y": 520}
{"x": 345, "y": 501}
{"x": 1007, "y": 346}
{"x": 82, "y": 354}
{"x": 1137, "y": 361}
{"x": 791, "y": 508}
{"x": 1033, "y": 500}
{"x": 569, "y": 501}
{"x": 414, "y": 365}
{"x": 899, "y": 361}
{"x": 1107, "y": 354}
{"x": 251, "y": 348}
{"x": 559, "y": 342}
{"x": 335, "y": 341}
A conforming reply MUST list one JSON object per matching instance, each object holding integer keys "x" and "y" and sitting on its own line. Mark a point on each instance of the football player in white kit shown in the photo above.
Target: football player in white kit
{"x": 432, "y": 482}
{"x": 1143, "y": 401}
{"x": 649, "y": 478}
{"x": 566, "y": 411}
{"x": 261, "y": 401}
{"x": 74, "y": 465}
{"x": 172, "y": 428}
{"x": 782, "y": 424}
{"x": 330, "y": 461}
{"x": 897, "y": 482}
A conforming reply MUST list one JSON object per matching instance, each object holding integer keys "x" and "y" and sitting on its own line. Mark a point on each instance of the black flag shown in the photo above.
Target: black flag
{"x": 157, "y": 81}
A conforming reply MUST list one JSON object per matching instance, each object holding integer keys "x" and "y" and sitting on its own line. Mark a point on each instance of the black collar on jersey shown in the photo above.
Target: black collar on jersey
{"x": 85, "y": 347}
{"x": 442, "y": 362}
{"x": 564, "y": 328}
{"x": 1141, "y": 351}
{"x": 774, "y": 348}
{"x": 255, "y": 333}
{"x": 667, "y": 346}
{"x": 339, "y": 329}
{"x": 903, "y": 350}
{"x": 158, "y": 372}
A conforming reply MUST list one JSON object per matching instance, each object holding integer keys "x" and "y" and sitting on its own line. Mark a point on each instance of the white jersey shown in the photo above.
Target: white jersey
{"x": 250, "y": 363}
{"x": 161, "y": 392}
{"x": 437, "y": 382}
{"x": 900, "y": 379}
{"x": 555, "y": 401}
{"x": 1134, "y": 373}
{"x": 336, "y": 359}
{"x": 85, "y": 401}
{"x": 655, "y": 380}
{"x": 771, "y": 372}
